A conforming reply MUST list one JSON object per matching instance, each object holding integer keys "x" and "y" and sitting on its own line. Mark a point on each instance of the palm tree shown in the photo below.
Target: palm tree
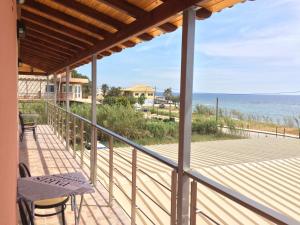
{"x": 168, "y": 93}
{"x": 104, "y": 89}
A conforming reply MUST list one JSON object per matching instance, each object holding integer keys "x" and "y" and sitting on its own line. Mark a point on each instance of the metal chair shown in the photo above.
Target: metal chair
{"x": 47, "y": 203}
{"x": 25, "y": 212}
{"x": 31, "y": 126}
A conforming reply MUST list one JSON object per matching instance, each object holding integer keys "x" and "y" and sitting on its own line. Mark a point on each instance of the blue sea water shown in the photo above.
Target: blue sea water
{"x": 276, "y": 107}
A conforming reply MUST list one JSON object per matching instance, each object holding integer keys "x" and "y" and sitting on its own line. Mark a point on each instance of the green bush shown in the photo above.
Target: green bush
{"x": 119, "y": 100}
{"x": 34, "y": 107}
{"x": 204, "y": 110}
{"x": 205, "y": 126}
{"x": 160, "y": 129}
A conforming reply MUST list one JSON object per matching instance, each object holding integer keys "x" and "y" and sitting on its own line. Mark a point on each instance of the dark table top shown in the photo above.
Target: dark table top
{"x": 53, "y": 186}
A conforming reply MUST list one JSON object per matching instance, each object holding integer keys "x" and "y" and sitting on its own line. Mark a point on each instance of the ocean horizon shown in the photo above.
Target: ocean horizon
{"x": 274, "y": 106}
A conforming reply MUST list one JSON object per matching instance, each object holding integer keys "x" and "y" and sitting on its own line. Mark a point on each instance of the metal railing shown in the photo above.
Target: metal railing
{"x": 75, "y": 130}
{"x": 276, "y": 133}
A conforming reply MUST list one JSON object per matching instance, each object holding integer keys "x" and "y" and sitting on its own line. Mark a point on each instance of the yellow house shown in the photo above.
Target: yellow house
{"x": 139, "y": 90}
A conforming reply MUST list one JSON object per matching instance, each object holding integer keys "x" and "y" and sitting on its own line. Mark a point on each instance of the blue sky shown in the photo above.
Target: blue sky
{"x": 250, "y": 48}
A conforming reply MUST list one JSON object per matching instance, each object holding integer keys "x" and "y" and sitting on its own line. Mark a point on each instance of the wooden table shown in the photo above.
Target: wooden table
{"x": 54, "y": 186}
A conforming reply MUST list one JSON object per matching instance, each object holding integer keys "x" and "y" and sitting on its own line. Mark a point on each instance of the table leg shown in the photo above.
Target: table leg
{"x": 79, "y": 209}
{"x": 32, "y": 210}
{"x": 75, "y": 210}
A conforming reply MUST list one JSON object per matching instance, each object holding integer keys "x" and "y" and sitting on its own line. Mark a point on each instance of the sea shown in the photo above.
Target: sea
{"x": 275, "y": 107}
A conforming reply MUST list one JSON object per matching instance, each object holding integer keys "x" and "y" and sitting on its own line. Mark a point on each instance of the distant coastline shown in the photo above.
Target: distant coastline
{"x": 276, "y": 107}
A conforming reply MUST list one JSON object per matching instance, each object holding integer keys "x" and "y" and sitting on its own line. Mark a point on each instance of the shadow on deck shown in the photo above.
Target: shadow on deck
{"x": 48, "y": 155}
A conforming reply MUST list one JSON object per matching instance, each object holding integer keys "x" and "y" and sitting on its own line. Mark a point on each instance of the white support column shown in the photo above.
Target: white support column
{"x": 185, "y": 123}
{"x": 94, "y": 121}
{"x": 67, "y": 107}
{"x": 55, "y": 88}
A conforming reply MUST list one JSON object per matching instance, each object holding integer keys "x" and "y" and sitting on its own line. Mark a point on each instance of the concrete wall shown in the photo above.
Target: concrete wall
{"x": 8, "y": 113}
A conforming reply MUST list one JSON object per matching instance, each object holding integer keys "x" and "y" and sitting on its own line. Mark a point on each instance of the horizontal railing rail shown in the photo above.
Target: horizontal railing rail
{"x": 276, "y": 134}
{"x": 61, "y": 123}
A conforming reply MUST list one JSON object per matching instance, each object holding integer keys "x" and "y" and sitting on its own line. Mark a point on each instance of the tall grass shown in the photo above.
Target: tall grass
{"x": 34, "y": 107}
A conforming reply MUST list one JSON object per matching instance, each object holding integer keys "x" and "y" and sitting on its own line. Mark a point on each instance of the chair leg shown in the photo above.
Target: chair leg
{"x": 63, "y": 214}
{"x": 34, "y": 134}
{"x": 21, "y": 135}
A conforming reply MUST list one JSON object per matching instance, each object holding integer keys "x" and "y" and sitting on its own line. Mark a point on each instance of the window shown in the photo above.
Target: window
{"x": 77, "y": 91}
{"x": 50, "y": 88}
{"x": 150, "y": 94}
{"x": 136, "y": 94}
{"x": 64, "y": 88}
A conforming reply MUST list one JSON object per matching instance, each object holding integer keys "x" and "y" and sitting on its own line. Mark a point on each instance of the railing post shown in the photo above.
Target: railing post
{"x": 193, "y": 208}
{"x": 94, "y": 121}
{"x": 74, "y": 136}
{"x": 276, "y": 131}
{"x": 67, "y": 131}
{"x": 133, "y": 186}
{"x": 111, "y": 170}
{"x": 174, "y": 197}
{"x": 94, "y": 155}
{"x": 55, "y": 121}
{"x": 81, "y": 142}
{"x": 62, "y": 124}
{"x": 284, "y": 132}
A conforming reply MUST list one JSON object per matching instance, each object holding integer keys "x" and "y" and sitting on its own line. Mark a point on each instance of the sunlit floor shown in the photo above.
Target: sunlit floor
{"x": 48, "y": 156}
{"x": 265, "y": 169}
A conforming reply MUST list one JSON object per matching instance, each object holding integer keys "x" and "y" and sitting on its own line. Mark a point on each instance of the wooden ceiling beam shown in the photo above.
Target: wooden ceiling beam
{"x": 30, "y": 61}
{"x": 46, "y": 58}
{"x": 42, "y": 21}
{"x": 92, "y": 13}
{"x": 145, "y": 37}
{"x": 37, "y": 48}
{"x": 32, "y": 73}
{"x": 39, "y": 54}
{"x": 135, "y": 12}
{"x": 56, "y": 35}
{"x": 105, "y": 53}
{"x": 42, "y": 51}
{"x": 129, "y": 44}
{"x": 33, "y": 43}
{"x": 51, "y": 45}
{"x": 158, "y": 16}
{"x": 32, "y": 33}
{"x": 116, "y": 49}
{"x": 66, "y": 18}
{"x": 203, "y": 14}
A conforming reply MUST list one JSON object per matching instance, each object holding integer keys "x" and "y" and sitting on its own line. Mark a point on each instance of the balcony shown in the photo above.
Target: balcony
{"x": 137, "y": 185}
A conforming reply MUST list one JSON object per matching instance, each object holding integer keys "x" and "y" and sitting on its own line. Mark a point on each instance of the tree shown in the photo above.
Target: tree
{"x": 168, "y": 93}
{"x": 104, "y": 89}
{"x": 175, "y": 99}
{"x": 114, "y": 92}
{"x": 141, "y": 99}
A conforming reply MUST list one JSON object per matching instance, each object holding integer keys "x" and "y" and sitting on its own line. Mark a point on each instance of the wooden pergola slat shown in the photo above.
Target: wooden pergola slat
{"x": 135, "y": 12}
{"x": 52, "y": 41}
{"x": 57, "y": 27}
{"x": 92, "y": 13}
{"x": 57, "y": 35}
{"x": 157, "y": 17}
{"x": 67, "y": 18}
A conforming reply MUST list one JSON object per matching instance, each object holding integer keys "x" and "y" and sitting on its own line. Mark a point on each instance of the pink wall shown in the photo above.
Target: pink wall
{"x": 8, "y": 113}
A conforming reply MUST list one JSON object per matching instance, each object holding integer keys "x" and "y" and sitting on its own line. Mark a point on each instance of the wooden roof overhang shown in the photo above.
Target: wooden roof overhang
{"x": 62, "y": 33}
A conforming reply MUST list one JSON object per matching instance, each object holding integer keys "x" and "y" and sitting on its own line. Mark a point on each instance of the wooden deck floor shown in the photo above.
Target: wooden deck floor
{"x": 265, "y": 169}
{"x": 47, "y": 155}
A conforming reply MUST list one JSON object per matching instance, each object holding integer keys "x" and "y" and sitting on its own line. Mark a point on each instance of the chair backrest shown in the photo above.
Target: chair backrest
{"x": 23, "y": 170}
{"x": 25, "y": 212}
{"x": 21, "y": 119}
